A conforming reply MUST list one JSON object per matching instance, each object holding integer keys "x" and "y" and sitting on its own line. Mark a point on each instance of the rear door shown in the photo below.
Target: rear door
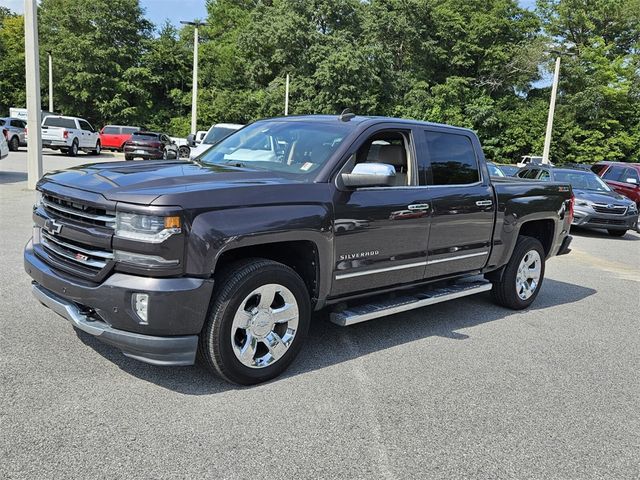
{"x": 463, "y": 212}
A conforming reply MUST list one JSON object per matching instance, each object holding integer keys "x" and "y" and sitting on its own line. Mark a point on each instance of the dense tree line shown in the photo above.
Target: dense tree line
{"x": 473, "y": 63}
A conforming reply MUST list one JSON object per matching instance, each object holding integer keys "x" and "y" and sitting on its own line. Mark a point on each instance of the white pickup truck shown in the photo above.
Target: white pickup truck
{"x": 70, "y": 135}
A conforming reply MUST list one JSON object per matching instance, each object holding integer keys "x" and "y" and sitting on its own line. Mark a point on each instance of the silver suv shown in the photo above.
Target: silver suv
{"x": 15, "y": 132}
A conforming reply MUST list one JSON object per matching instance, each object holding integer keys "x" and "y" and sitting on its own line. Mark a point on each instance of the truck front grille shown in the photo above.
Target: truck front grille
{"x": 76, "y": 254}
{"x": 613, "y": 209}
{"x": 79, "y": 212}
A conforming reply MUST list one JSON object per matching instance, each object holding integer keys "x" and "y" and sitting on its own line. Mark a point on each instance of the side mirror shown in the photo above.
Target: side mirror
{"x": 370, "y": 175}
{"x": 632, "y": 181}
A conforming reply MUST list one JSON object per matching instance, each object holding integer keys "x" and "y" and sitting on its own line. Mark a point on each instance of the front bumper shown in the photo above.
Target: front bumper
{"x": 177, "y": 310}
{"x": 590, "y": 219}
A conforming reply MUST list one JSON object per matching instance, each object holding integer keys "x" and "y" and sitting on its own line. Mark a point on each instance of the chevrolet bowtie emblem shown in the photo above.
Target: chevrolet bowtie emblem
{"x": 52, "y": 226}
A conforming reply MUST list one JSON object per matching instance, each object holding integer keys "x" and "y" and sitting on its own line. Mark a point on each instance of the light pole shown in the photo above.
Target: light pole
{"x": 286, "y": 97}
{"x": 50, "y": 82}
{"x": 552, "y": 106}
{"x": 32, "y": 70}
{"x": 194, "y": 92}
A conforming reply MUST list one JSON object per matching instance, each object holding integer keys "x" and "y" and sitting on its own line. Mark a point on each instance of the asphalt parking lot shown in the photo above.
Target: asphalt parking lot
{"x": 464, "y": 389}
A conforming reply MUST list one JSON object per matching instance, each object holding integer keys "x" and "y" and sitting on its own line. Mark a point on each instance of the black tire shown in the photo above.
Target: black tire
{"x": 617, "y": 233}
{"x": 14, "y": 144}
{"x": 184, "y": 151}
{"x": 72, "y": 151}
{"x": 128, "y": 157}
{"x": 505, "y": 291}
{"x": 97, "y": 150}
{"x": 233, "y": 286}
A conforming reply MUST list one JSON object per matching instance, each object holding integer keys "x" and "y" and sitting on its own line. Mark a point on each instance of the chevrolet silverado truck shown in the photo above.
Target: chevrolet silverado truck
{"x": 228, "y": 256}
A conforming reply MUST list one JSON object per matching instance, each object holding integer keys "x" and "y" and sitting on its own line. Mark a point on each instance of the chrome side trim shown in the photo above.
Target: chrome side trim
{"x": 379, "y": 270}
{"x": 459, "y": 257}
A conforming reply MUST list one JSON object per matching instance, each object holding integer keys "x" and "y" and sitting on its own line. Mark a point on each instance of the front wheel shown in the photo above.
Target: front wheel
{"x": 522, "y": 276}
{"x": 617, "y": 233}
{"x": 97, "y": 150}
{"x": 258, "y": 320}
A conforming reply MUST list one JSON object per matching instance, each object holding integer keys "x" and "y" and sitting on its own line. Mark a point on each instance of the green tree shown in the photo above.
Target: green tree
{"x": 97, "y": 52}
{"x": 12, "y": 69}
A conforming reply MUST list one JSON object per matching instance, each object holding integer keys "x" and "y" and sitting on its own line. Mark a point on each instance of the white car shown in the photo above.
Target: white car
{"x": 4, "y": 147}
{"x": 530, "y": 159}
{"x": 70, "y": 135}
{"x": 216, "y": 133}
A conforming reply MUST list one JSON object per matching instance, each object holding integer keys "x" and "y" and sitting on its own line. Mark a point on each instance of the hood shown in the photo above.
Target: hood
{"x": 145, "y": 181}
{"x": 601, "y": 197}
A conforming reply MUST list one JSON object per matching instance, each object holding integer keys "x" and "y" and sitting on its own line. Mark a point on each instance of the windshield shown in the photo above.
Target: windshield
{"x": 216, "y": 134}
{"x": 272, "y": 145}
{"x": 582, "y": 181}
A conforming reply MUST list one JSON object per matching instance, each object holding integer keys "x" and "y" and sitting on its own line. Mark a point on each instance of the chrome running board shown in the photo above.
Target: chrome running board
{"x": 407, "y": 301}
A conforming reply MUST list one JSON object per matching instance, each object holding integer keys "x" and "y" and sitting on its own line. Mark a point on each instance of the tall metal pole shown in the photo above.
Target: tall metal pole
{"x": 552, "y": 108}
{"x": 50, "y": 83}
{"x": 32, "y": 67}
{"x": 194, "y": 95}
{"x": 286, "y": 97}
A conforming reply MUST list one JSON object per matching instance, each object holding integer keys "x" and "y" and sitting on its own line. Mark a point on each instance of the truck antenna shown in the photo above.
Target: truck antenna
{"x": 346, "y": 115}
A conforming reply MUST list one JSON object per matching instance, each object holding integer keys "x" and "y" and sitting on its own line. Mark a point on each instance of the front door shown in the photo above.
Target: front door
{"x": 381, "y": 233}
{"x": 463, "y": 203}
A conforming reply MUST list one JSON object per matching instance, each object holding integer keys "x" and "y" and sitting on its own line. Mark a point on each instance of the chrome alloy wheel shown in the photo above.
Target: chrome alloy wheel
{"x": 528, "y": 274}
{"x": 264, "y": 326}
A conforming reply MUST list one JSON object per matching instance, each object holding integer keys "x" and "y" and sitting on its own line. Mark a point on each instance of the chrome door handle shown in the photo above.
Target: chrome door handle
{"x": 418, "y": 206}
{"x": 484, "y": 203}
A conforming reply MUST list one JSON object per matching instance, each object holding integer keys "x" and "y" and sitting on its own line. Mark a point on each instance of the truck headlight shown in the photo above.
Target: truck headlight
{"x": 146, "y": 228}
{"x": 633, "y": 209}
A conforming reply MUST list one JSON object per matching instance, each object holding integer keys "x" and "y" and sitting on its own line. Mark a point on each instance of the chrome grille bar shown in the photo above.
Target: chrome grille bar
{"x": 75, "y": 253}
{"x": 108, "y": 219}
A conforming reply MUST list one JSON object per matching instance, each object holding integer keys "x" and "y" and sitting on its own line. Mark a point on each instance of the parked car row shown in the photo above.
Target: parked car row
{"x": 15, "y": 132}
{"x": 597, "y": 205}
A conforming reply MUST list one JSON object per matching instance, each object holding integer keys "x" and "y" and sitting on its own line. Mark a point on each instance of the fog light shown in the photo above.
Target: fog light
{"x": 141, "y": 306}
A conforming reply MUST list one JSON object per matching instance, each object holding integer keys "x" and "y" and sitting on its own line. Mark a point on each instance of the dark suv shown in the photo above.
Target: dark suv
{"x": 150, "y": 145}
{"x": 596, "y": 205}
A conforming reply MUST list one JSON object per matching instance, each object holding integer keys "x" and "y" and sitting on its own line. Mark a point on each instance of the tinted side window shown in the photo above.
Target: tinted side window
{"x": 85, "y": 125}
{"x": 2, "y": 122}
{"x": 614, "y": 173}
{"x": 17, "y": 123}
{"x": 597, "y": 169}
{"x": 544, "y": 176}
{"x": 111, "y": 130}
{"x": 128, "y": 130}
{"x": 452, "y": 159}
{"x": 630, "y": 173}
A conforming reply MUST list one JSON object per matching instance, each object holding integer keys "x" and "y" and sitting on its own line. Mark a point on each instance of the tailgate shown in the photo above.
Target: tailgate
{"x": 53, "y": 133}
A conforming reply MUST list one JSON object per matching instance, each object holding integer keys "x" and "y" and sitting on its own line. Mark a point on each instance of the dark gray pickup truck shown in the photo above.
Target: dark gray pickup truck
{"x": 228, "y": 255}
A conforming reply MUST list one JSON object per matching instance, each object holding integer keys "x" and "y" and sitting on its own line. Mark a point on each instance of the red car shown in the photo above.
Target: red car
{"x": 624, "y": 178}
{"x": 113, "y": 137}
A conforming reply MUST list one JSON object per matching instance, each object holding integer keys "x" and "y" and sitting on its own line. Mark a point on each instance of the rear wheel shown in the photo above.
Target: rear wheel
{"x": 14, "y": 144}
{"x": 617, "y": 233}
{"x": 128, "y": 157}
{"x": 258, "y": 320}
{"x": 522, "y": 276}
{"x": 72, "y": 151}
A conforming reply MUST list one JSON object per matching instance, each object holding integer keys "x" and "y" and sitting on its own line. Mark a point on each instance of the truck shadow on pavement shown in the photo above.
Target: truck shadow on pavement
{"x": 12, "y": 177}
{"x": 329, "y": 344}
